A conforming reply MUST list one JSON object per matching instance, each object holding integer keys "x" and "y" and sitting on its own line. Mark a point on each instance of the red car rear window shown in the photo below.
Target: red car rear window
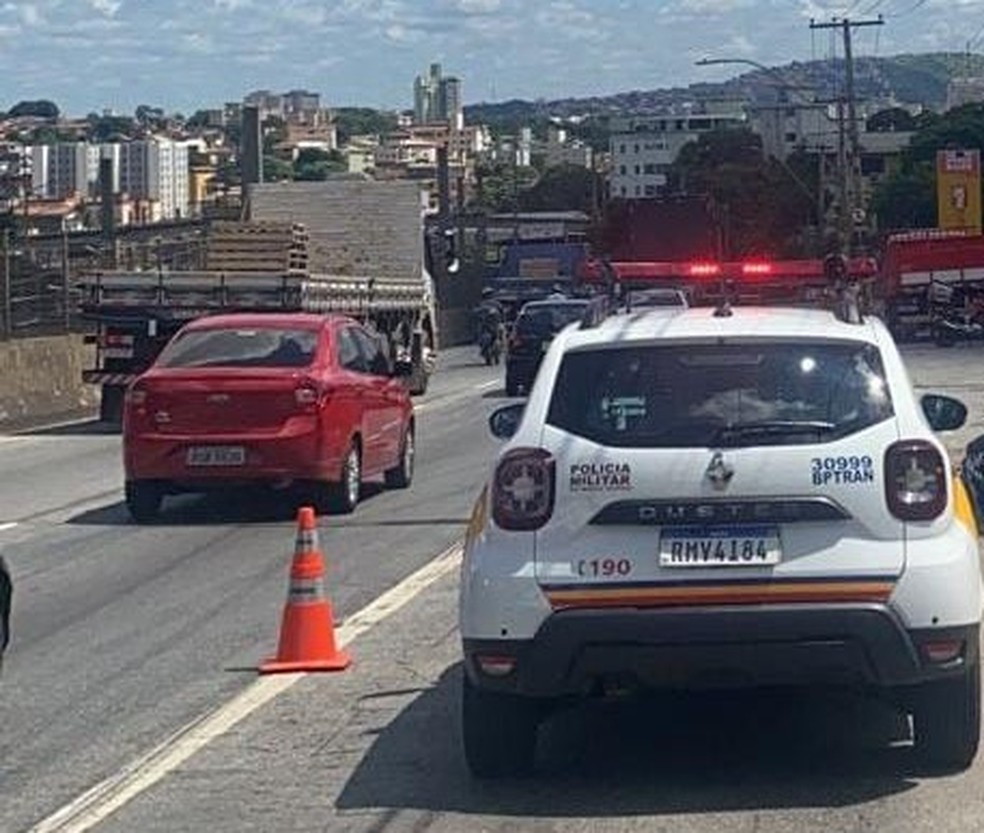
{"x": 241, "y": 347}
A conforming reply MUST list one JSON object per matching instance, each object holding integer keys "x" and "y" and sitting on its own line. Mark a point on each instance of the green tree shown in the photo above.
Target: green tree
{"x": 892, "y": 120}
{"x": 763, "y": 205}
{"x": 500, "y": 186}
{"x": 313, "y": 164}
{"x": 148, "y": 116}
{"x": 961, "y": 127}
{"x": 907, "y": 198}
{"x": 41, "y": 109}
{"x": 276, "y": 169}
{"x": 594, "y": 132}
{"x": 274, "y": 133}
{"x": 361, "y": 121}
{"x": 110, "y": 128}
{"x": 563, "y": 188}
{"x": 197, "y": 119}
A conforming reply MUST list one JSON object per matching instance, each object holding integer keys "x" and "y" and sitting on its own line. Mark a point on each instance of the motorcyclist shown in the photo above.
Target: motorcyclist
{"x": 490, "y": 319}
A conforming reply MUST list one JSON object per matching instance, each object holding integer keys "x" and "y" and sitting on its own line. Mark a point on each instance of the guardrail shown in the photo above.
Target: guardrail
{"x": 40, "y": 302}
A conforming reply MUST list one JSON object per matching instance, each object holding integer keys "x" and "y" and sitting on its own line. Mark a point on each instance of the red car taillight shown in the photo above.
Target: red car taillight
{"x": 915, "y": 481}
{"x": 523, "y": 489}
{"x": 310, "y": 396}
{"x": 135, "y": 401}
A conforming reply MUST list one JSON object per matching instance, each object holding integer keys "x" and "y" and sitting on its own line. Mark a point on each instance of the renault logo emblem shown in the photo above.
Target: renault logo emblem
{"x": 719, "y": 472}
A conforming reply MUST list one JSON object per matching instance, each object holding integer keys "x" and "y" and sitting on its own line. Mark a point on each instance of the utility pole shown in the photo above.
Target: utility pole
{"x": 850, "y": 154}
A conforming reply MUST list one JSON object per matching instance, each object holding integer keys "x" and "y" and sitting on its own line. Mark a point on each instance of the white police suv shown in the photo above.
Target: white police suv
{"x": 706, "y": 498}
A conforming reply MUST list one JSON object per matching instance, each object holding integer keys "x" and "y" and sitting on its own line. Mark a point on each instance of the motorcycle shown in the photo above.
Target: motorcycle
{"x": 490, "y": 346}
{"x": 957, "y": 315}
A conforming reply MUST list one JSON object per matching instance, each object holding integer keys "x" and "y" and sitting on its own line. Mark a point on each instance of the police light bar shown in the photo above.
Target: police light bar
{"x": 756, "y": 268}
{"x": 704, "y": 269}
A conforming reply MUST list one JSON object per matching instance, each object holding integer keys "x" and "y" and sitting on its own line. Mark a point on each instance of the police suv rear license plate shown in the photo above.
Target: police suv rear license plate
{"x": 216, "y": 455}
{"x": 732, "y": 546}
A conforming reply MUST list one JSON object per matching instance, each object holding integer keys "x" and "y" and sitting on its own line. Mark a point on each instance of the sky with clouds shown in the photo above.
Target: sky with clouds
{"x": 184, "y": 54}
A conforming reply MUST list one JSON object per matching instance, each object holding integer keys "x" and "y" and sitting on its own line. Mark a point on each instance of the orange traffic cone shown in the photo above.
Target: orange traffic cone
{"x": 307, "y": 632}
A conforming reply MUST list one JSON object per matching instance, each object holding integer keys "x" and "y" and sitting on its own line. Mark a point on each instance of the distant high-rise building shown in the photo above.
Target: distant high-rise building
{"x": 64, "y": 169}
{"x": 449, "y": 106}
{"x": 156, "y": 170}
{"x": 437, "y": 99}
{"x": 301, "y": 101}
{"x": 268, "y": 103}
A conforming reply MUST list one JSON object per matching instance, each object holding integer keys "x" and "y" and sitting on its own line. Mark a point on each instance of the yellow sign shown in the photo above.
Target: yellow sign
{"x": 958, "y": 190}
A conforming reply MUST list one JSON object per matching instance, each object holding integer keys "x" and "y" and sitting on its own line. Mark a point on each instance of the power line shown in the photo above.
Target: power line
{"x": 913, "y": 8}
{"x": 976, "y": 37}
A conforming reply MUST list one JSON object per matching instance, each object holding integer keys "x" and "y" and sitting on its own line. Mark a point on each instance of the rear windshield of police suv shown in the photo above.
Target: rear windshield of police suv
{"x": 739, "y": 394}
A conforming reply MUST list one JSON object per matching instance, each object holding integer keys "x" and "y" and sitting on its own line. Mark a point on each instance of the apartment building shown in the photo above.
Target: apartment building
{"x": 157, "y": 170}
{"x": 65, "y": 169}
{"x": 644, "y": 147}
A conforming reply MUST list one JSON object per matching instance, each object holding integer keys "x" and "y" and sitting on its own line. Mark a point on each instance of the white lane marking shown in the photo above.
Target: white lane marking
{"x": 487, "y": 385}
{"x": 6, "y": 526}
{"x": 97, "y": 804}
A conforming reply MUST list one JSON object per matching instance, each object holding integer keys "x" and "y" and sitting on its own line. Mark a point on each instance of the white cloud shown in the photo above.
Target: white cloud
{"x": 109, "y": 8}
{"x": 477, "y": 6}
{"x": 31, "y": 14}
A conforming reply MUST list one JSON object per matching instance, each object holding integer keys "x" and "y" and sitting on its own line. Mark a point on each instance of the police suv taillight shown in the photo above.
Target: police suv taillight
{"x": 523, "y": 489}
{"x": 915, "y": 481}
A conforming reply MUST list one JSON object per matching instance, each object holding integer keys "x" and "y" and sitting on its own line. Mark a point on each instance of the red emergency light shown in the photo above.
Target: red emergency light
{"x": 758, "y": 268}
{"x": 705, "y": 269}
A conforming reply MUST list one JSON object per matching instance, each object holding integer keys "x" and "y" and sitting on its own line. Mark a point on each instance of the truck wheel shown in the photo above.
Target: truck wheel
{"x": 111, "y": 404}
{"x": 400, "y": 477}
{"x": 343, "y": 497}
{"x": 144, "y": 499}
{"x": 947, "y": 721}
{"x": 499, "y": 732}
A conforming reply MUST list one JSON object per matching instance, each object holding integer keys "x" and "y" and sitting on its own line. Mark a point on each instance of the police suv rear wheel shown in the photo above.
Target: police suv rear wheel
{"x": 947, "y": 721}
{"x": 499, "y": 732}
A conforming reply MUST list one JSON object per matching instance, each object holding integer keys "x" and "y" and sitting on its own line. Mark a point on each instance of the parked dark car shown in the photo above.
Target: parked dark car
{"x": 536, "y": 325}
{"x": 6, "y": 592}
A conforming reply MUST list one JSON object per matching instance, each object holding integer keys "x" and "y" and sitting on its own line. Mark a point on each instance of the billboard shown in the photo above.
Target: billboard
{"x": 958, "y": 190}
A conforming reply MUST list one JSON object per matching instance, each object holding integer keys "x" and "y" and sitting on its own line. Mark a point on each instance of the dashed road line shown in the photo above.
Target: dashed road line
{"x": 99, "y": 803}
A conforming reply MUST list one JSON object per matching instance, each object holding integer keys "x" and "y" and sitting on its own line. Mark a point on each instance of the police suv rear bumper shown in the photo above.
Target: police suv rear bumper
{"x": 859, "y": 645}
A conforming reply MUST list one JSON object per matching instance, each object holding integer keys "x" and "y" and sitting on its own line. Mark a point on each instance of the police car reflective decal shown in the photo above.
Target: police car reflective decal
{"x": 841, "y": 471}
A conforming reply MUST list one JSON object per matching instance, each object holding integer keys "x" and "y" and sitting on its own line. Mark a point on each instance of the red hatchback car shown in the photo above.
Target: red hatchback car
{"x": 267, "y": 399}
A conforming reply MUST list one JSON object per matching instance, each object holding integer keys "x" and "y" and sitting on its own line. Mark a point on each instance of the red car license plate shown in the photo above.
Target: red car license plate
{"x": 216, "y": 455}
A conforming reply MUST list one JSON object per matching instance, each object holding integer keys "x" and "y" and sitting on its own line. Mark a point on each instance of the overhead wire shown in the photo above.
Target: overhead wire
{"x": 972, "y": 42}
{"x": 913, "y": 8}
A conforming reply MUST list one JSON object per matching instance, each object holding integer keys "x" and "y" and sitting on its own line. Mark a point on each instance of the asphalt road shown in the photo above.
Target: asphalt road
{"x": 125, "y": 633}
